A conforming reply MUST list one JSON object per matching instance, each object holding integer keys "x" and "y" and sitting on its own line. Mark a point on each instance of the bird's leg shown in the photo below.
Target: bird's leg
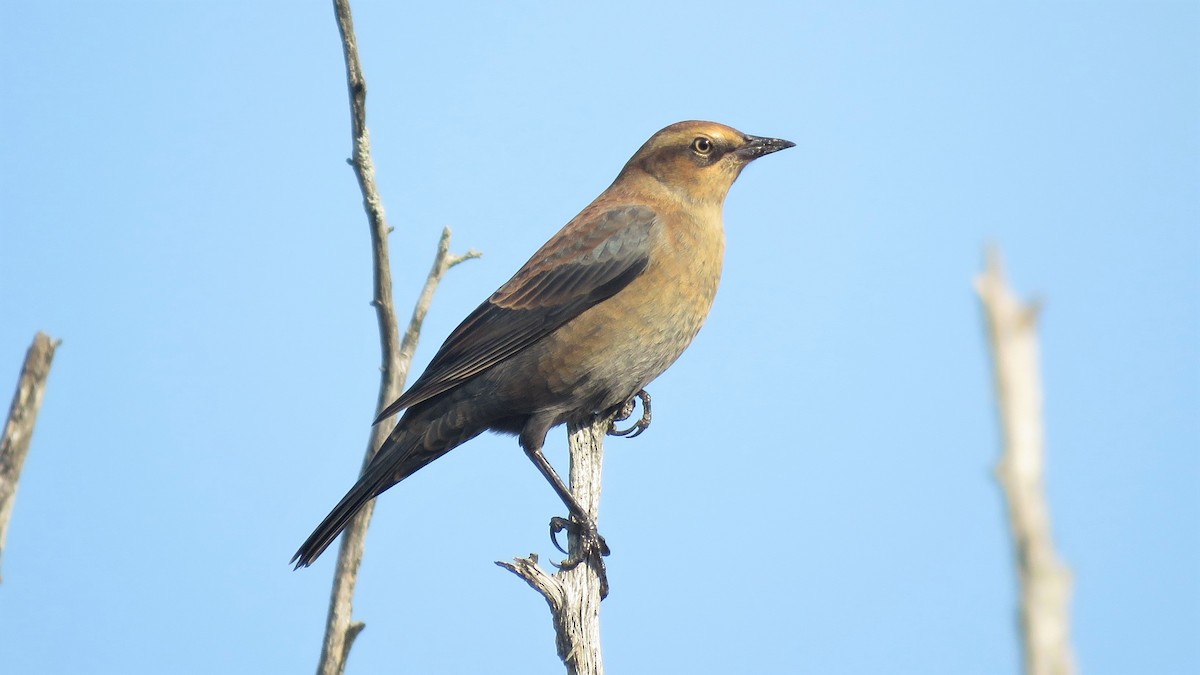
{"x": 626, "y": 410}
{"x": 581, "y": 524}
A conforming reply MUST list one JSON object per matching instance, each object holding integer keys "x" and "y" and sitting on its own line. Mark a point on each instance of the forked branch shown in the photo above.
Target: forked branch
{"x": 574, "y": 594}
{"x": 397, "y": 353}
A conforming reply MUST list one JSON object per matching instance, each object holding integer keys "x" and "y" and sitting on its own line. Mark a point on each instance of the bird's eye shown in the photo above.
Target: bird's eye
{"x": 702, "y": 146}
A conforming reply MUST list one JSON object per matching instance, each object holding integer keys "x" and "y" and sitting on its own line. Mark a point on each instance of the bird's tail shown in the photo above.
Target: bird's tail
{"x": 404, "y": 452}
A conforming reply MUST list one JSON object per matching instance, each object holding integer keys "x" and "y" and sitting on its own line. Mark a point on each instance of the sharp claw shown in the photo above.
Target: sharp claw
{"x": 590, "y": 541}
{"x": 591, "y": 547}
{"x": 625, "y": 411}
{"x": 558, "y": 524}
{"x": 627, "y": 433}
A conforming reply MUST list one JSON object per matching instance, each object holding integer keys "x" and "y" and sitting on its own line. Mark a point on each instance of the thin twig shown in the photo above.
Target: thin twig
{"x": 442, "y": 263}
{"x": 1045, "y": 581}
{"x": 18, "y": 430}
{"x": 574, "y": 594}
{"x": 340, "y": 630}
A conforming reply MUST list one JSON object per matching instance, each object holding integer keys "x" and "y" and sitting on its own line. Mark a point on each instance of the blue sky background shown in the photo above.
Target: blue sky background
{"x": 815, "y": 495}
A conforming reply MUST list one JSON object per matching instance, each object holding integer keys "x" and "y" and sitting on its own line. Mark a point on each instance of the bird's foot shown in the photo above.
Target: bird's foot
{"x": 592, "y": 547}
{"x": 590, "y": 541}
{"x": 626, "y": 410}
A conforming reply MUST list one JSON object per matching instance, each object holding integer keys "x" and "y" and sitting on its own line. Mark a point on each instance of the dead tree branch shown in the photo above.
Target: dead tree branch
{"x": 574, "y": 594}
{"x": 18, "y": 430}
{"x": 340, "y": 629}
{"x": 1045, "y": 582}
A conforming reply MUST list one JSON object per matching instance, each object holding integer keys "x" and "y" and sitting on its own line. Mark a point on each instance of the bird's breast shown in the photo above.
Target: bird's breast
{"x": 617, "y": 347}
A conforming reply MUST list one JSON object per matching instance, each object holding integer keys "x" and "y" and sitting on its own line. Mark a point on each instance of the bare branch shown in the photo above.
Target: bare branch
{"x": 1045, "y": 581}
{"x": 574, "y": 594}
{"x": 340, "y": 630}
{"x": 442, "y": 262}
{"x": 18, "y": 430}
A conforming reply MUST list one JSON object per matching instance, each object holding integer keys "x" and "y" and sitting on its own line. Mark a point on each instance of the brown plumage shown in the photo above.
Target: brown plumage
{"x": 598, "y": 312}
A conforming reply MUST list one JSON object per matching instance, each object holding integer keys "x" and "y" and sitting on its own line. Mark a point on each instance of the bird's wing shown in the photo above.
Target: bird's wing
{"x": 588, "y": 261}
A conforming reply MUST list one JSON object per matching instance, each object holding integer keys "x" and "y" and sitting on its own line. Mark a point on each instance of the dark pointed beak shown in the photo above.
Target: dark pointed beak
{"x": 757, "y": 146}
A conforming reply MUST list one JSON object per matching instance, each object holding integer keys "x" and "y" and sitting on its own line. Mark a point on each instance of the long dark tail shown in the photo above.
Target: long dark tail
{"x": 401, "y": 455}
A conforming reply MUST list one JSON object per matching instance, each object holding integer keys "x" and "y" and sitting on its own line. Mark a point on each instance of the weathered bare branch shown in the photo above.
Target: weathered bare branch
{"x": 18, "y": 430}
{"x": 1045, "y": 581}
{"x": 574, "y": 594}
{"x": 340, "y": 630}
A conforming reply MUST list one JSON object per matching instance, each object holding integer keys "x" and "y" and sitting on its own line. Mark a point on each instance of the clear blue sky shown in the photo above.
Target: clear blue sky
{"x": 815, "y": 495}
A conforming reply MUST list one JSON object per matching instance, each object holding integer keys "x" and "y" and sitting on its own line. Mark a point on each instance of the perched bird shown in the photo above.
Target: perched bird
{"x": 598, "y": 312}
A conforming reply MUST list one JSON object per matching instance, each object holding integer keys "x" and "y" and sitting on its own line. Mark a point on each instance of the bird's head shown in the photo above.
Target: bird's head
{"x": 698, "y": 161}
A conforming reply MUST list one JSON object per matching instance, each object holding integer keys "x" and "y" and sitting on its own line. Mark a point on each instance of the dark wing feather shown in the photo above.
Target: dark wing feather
{"x": 588, "y": 261}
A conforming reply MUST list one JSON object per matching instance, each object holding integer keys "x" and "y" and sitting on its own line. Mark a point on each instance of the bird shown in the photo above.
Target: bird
{"x": 598, "y": 312}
